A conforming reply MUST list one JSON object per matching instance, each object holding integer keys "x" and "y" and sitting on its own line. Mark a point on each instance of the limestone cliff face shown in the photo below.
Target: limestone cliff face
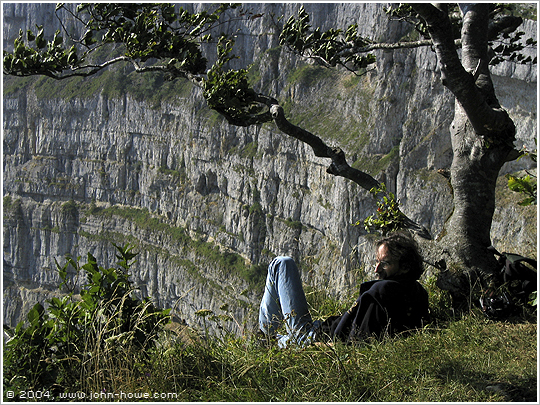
{"x": 204, "y": 202}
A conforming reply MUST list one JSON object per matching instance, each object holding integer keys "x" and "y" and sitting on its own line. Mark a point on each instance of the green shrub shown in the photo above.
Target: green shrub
{"x": 59, "y": 348}
{"x": 293, "y": 224}
{"x": 388, "y": 218}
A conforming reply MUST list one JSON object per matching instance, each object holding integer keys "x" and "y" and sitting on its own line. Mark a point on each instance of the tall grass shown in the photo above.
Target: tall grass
{"x": 471, "y": 360}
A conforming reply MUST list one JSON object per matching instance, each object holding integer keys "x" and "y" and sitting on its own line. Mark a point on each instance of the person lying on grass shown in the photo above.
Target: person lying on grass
{"x": 395, "y": 303}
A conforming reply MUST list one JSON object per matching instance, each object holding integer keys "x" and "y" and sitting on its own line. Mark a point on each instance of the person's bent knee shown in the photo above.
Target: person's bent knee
{"x": 284, "y": 263}
{"x": 285, "y": 260}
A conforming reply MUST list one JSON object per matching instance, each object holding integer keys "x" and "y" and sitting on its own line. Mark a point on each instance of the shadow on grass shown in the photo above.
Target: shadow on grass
{"x": 513, "y": 388}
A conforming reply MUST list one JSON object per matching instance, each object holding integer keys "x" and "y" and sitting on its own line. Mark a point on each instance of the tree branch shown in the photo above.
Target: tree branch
{"x": 483, "y": 117}
{"x": 396, "y": 45}
{"x": 339, "y": 165}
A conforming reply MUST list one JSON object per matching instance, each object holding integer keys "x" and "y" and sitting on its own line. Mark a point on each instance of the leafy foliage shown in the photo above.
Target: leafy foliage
{"x": 145, "y": 30}
{"x": 388, "y": 217}
{"x": 510, "y": 49}
{"x": 148, "y": 34}
{"x": 149, "y": 31}
{"x": 405, "y": 12}
{"x": 48, "y": 57}
{"x": 525, "y": 184}
{"x": 58, "y": 345}
{"x": 534, "y": 299}
{"x": 333, "y": 46}
{"x": 506, "y": 44}
{"x": 228, "y": 91}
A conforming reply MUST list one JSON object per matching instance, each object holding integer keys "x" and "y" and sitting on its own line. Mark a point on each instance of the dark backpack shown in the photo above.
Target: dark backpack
{"x": 512, "y": 285}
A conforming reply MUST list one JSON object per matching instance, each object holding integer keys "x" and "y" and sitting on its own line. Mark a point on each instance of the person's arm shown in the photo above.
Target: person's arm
{"x": 371, "y": 319}
{"x": 341, "y": 327}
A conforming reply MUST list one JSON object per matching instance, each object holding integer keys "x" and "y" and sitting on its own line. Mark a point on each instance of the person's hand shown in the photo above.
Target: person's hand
{"x": 325, "y": 344}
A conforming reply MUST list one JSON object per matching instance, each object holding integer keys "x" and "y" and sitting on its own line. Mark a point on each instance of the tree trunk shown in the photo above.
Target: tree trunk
{"x": 482, "y": 139}
{"x": 474, "y": 172}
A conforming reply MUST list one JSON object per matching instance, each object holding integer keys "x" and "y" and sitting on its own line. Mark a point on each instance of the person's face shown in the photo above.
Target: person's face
{"x": 385, "y": 266}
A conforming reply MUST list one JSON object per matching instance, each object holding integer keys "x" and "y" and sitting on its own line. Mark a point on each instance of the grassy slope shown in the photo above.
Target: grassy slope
{"x": 471, "y": 360}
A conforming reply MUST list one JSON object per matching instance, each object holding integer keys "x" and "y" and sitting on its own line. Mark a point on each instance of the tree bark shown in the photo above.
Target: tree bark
{"x": 482, "y": 138}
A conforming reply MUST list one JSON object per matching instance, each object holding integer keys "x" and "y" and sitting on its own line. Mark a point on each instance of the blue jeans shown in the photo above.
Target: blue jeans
{"x": 284, "y": 301}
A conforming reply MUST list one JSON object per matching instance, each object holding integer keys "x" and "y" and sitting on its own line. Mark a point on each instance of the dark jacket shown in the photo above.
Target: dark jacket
{"x": 385, "y": 307}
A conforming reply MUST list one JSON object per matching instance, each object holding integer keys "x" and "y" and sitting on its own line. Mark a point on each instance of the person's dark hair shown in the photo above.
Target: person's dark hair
{"x": 404, "y": 249}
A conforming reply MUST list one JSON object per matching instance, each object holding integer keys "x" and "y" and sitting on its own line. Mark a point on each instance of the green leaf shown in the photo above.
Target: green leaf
{"x": 533, "y": 299}
{"x": 40, "y": 41}
{"x": 57, "y": 38}
{"x": 94, "y": 290}
{"x": 35, "y": 314}
{"x": 525, "y": 185}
